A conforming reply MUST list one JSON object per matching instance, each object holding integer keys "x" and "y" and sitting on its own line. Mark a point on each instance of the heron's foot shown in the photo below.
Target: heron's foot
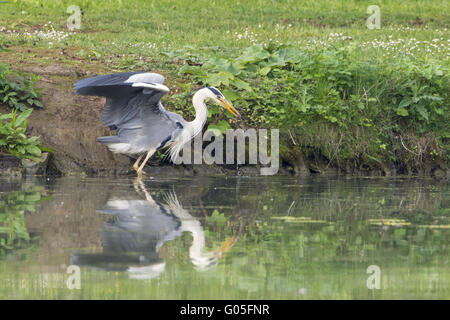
{"x": 136, "y": 163}
{"x": 136, "y": 184}
{"x": 140, "y": 172}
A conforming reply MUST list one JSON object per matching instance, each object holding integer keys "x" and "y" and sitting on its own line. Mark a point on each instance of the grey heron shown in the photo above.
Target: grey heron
{"x": 133, "y": 108}
{"x": 132, "y": 239}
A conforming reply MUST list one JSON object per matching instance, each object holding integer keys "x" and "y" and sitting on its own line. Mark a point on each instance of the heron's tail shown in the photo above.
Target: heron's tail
{"x": 109, "y": 139}
{"x": 116, "y": 145}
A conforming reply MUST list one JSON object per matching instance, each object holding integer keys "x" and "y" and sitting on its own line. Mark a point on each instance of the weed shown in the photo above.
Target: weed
{"x": 19, "y": 94}
{"x": 13, "y": 139}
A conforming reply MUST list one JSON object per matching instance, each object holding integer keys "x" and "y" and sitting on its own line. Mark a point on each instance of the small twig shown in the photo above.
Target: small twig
{"x": 290, "y": 207}
{"x": 401, "y": 140}
{"x": 336, "y": 150}
{"x": 292, "y": 138}
{"x": 46, "y": 80}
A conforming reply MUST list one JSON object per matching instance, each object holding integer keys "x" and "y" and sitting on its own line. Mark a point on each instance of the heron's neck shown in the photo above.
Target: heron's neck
{"x": 198, "y": 238}
{"x": 201, "y": 260}
{"x": 201, "y": 112}
{"x": 189, "y": 224}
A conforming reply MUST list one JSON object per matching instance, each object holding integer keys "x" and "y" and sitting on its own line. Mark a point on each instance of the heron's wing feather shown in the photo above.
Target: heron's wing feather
{"x": 118, "y": 84}
{"x": 150, "y": 127}
{"x": 176, "y": 117}
{"x": 120, "y": 111}
{"x": 119, "y": 89}
{"x": 133, "y": 107}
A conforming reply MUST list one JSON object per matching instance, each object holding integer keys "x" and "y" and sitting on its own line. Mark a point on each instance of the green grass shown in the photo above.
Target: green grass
{"x": 176, "y": 24}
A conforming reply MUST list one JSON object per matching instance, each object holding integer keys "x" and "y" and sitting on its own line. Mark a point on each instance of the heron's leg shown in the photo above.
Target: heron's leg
{"x": 136, "y": 185}
{"x": 136, "y": 164}
{"x": 149, "y": 154}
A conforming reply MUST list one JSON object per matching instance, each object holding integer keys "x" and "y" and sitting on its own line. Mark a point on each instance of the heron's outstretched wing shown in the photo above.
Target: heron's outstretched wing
{"x": 115, "y": 85}
{"x": 133, "y": 107}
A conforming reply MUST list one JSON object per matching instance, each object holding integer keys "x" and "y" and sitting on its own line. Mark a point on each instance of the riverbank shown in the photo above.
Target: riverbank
{"x": 69, "y": 124}
{"x": 347, "y": 99}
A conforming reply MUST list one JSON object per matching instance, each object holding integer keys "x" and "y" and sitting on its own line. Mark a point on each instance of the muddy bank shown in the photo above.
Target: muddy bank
{"x": 69, "y": 124}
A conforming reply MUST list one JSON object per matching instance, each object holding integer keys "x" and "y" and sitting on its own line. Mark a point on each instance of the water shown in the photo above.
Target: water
{"x": 224, "y": 238}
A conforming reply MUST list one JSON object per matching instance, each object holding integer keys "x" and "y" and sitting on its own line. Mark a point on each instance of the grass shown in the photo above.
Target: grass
{"x": 124, "y": 27}
{"x": 412, "y": 44}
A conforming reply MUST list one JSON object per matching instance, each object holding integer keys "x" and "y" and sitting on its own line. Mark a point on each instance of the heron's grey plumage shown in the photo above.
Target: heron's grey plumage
{"x": 134, "y": 109}
{"x": 142, "y": 219}
{"x": 112, "y": 85}
{"x": 137, "y": 229}
{"x": 133, "y": 238}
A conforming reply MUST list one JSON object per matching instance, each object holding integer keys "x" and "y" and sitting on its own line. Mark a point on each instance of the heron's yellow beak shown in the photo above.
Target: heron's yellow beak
{"x": 227, "y": 245}
{"x": 224, "y": 103}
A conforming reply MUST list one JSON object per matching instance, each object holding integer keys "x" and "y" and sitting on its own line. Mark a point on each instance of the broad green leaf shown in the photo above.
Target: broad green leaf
{"x": 33, "y": 150}
{"x": 405, "y": 102}
{"x": 290, "y": 54}
{"x": 253, "y": 54}
{"x": 238, "y": 83}
{"x": 402, "y": 112}
{"x": 216, "y": 79}
{"x": 230, "y": 95}
{"x": 37, "y": 103}
{"x": 264, "y": 71}
{"x": 422, "y": 112}
{"x": 222, "y": 126}
{"x": 194, "y": 70}
{"x": 5, "y": 116}
{"x": 219, "y": 64}
{"x": 274, "y": 61}
{"x": 23, "y": 117}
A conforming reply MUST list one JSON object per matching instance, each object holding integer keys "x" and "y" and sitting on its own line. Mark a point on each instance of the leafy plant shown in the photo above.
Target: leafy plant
{"x": 13, "y": 232}
{"x": 217, "y": 219}
{"x": 19, "y": 94}
{"x": 13, "y": 139}
{"x": 339, "y": 89}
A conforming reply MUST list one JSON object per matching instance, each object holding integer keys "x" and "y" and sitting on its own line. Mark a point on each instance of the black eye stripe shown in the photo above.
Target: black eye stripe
{"x": 216, "y": 92}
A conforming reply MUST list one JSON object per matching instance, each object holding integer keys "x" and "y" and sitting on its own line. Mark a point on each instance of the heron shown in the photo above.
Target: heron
{"x": 133, "y": 108}
{"x": 139, "y": 228}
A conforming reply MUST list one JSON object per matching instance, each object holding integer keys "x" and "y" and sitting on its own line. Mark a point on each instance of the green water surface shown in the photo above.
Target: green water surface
{"x": 224, "y": 238}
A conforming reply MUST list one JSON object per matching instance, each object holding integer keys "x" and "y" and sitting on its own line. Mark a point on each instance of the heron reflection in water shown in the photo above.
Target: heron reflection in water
{"x": 139, "y": 228}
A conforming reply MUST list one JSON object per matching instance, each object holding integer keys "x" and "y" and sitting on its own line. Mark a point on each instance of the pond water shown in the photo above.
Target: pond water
{"x": 224, "y": 238}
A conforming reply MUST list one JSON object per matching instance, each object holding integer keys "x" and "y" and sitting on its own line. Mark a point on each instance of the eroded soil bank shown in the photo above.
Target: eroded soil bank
{"x": 69, "y": 124}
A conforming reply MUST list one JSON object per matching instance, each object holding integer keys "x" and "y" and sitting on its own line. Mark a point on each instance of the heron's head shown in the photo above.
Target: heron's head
{"x": 218, "y": 98}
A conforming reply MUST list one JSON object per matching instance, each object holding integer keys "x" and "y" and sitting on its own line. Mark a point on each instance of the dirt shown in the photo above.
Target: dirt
{"x": 68, "y": 123}
{"x": 9, "y": 161}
